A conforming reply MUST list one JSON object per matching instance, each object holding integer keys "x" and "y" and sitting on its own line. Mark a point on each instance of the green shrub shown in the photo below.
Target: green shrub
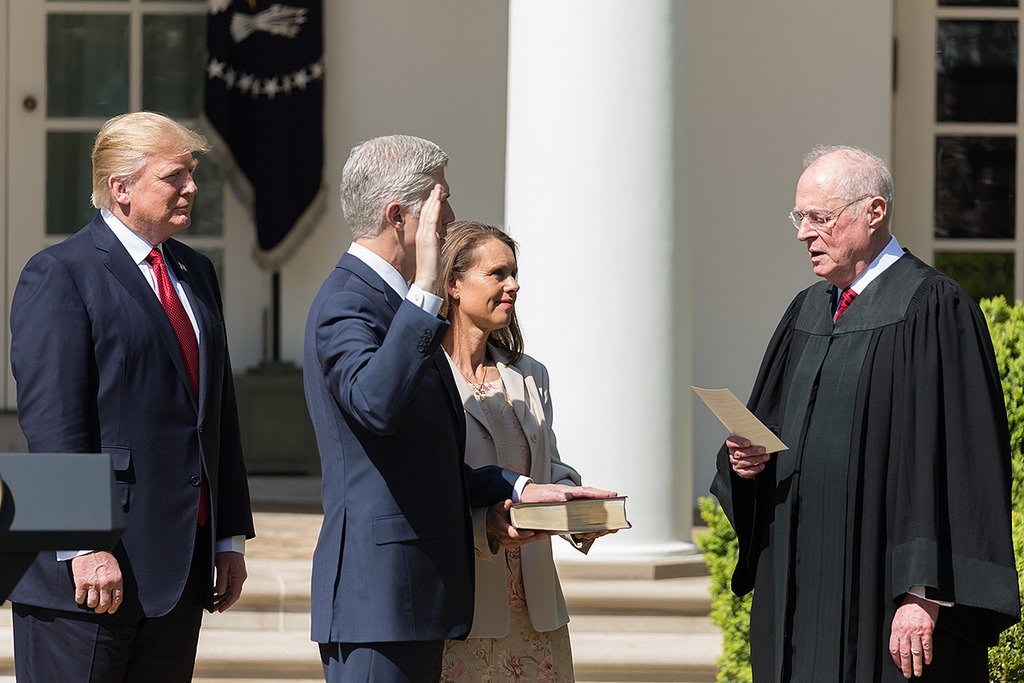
{"x": 728, "y": 612}
{"x": 1006, "y": 325}
{"x": 732, "y": 614}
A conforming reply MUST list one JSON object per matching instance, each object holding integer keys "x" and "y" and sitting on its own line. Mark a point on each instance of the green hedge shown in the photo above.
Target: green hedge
{"x": 732, "y": 614}
{"x": 728, "y": 612}
{"x": 1006, "y": 325}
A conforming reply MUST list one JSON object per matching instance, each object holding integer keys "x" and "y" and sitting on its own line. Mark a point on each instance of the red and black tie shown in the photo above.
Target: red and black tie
{"x": 845, "y": 299}
{"x": 186, "y": 341}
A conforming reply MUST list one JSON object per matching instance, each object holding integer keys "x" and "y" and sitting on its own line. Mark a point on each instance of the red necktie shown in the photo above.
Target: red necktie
{"x": 186, "y": 342}
{"x": 845, "y": 299}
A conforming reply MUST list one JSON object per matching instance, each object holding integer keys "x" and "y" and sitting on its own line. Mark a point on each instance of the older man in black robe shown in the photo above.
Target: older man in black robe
{"x": 878, "y": 545}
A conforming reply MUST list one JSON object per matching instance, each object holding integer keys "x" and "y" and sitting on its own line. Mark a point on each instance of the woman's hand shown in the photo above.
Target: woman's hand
{"x": 499, "y": 523}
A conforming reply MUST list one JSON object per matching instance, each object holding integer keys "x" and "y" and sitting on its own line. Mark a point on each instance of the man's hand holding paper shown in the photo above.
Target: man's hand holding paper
{"x": 747, "y": 459}
{"x": 751, "y": 442}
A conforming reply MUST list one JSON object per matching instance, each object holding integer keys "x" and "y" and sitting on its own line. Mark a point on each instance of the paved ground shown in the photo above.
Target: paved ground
{"x": 624, "y": 628}
{"x": 287, "y": 517}
{"x": 284, "y": 536}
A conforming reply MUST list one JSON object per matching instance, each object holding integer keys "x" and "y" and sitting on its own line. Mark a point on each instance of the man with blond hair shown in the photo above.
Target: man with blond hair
{"x": 118, "y": 346}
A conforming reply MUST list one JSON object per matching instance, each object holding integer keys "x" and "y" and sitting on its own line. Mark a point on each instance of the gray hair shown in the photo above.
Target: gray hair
{"x": 126, "y": 143}
{"x": 867, "y": 173}
{"x": 391, "y": 168}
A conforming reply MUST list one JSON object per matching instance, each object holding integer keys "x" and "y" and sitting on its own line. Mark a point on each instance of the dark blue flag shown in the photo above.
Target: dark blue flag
{"x": 264, "y": 114}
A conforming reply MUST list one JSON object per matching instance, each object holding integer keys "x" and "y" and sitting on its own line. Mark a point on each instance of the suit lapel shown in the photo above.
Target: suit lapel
{"x": 515, "y": 387}
{"x": 521, "y": 396}
{"x": 454, "y": 396}
{"x": 126, "y": 271}
{"x": 466, "y": 396}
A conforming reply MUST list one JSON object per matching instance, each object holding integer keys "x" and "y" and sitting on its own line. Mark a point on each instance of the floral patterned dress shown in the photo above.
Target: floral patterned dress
{"x": 525, "y": 654}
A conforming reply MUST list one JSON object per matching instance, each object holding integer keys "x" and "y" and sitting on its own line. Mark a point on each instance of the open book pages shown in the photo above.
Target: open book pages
{"x": 576, "y": 516}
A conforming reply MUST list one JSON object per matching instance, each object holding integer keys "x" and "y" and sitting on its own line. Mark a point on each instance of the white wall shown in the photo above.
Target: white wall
{"x": 433, "y": 69}
{"x": 766, "y": 82}
{"x": 762, "y": 83}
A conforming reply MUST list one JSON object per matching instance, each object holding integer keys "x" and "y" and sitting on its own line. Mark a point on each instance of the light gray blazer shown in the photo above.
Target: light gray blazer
{"x": 527, "y": 385}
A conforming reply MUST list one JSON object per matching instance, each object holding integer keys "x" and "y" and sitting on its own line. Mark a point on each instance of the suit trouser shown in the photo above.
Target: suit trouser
{"x": 56, "y": 645}
{"x": 401, "y": 662}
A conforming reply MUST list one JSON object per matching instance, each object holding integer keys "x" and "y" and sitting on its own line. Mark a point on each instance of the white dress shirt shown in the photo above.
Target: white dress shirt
{"x": 888, "y": 256}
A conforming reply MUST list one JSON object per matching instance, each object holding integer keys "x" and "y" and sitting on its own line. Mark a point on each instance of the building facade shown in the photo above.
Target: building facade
{"x": 644, "y": 154}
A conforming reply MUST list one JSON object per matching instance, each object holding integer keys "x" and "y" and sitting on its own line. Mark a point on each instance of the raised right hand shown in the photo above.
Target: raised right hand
{"x": 747, "y": 460}
{"x": 428, "y": 240}
{"x": 98, "y": 581}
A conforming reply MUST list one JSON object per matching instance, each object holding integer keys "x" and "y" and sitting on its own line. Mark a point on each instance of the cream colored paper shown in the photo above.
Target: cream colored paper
{"x": 738, "y": 420}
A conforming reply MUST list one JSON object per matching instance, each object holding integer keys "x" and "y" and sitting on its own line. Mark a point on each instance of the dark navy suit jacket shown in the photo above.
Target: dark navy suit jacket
{"x": 99, "y": 369}
{"x": 394, "y": 561}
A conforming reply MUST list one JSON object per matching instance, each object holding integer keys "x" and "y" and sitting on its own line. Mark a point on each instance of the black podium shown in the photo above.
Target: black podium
{"x": 54, "y": 501}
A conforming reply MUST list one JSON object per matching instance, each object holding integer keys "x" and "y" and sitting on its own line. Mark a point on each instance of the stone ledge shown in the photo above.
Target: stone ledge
{"x": 276, "y": 585}
{"x": 632, "y": 569}
{"x": 683, "y": 624}
{"x": 645, "y": 657}
{"x": 283, "y": 586}
{"x": 256, "y": 654}
{"x": 687, "y": 596}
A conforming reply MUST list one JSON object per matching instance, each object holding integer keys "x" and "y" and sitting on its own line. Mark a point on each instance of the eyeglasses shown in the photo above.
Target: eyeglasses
{"x": 822, "y": 222}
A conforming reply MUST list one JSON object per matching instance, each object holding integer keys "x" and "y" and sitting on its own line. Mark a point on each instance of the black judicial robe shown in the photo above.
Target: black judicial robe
{"x": 897, "y": 475}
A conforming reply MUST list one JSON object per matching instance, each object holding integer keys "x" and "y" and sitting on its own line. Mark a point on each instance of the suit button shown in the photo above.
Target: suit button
{"x": 533, "y": 437}
{"x": 195, "y": 480}
{"x": 200, "y": 429}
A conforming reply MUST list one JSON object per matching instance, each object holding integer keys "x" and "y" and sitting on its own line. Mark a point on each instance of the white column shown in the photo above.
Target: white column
{"x": 594, "y": 197}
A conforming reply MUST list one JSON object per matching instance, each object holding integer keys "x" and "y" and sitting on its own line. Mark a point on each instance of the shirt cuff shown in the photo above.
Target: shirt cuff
{"x": 919, "y": 592}
{"x": 65, "y": 555}
{"x": 517, "y": 490}
{"x": 431, "y": 303}
{"x": 231, "y": 544}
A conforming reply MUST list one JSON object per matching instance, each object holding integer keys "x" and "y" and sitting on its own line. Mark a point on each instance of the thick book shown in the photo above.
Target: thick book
{"x": 576, "y": 516}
